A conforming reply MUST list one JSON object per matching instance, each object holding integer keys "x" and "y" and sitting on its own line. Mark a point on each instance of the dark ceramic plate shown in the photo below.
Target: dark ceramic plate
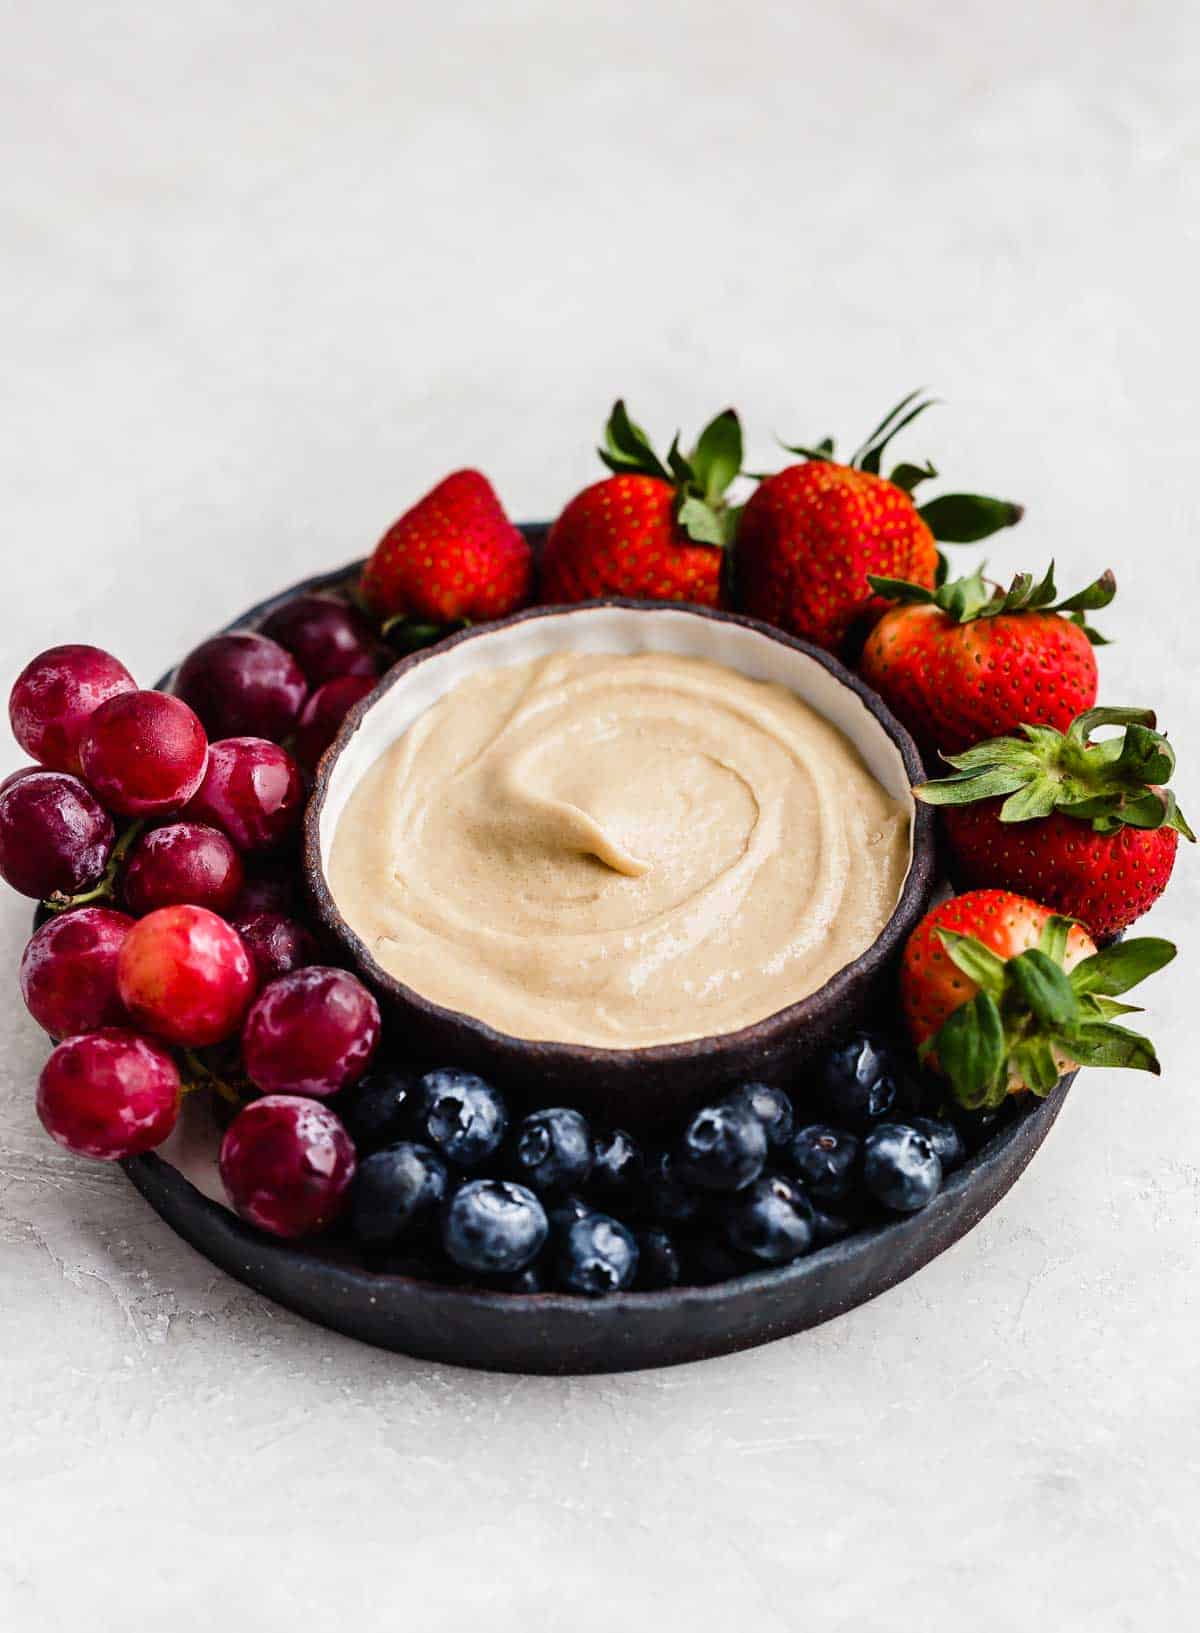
{"x": 552, "y": 1333}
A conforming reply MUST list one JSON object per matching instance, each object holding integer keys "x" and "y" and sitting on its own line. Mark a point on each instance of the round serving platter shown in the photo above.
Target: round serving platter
{"x": 555, "y": 1333}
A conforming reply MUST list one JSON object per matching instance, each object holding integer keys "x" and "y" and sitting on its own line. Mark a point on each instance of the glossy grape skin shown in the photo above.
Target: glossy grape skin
{"x": 312, "y": 1032}
{"x": 53, "y": 697}
{"x": 69, "y": 971}
{"x": 270, "y": 887}
{"x": 243, "y": 685}
{"x": 109, "y": 1094}
{"x": 17, "y": 775}
{"x": 143, "y": 754}
{"x": 323, "y": 714}
{"x": 185, "y": 975}
{"x": 327, "y": 638}
{"x": 55, "y": 837}
{"x": 287, "y": 1165}
{"x": 278, "y": 945}
{"x": 252, "y": 791}
{"x": 182, "y": 862}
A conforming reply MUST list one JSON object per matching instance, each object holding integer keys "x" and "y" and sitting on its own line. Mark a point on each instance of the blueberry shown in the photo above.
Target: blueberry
{"x": 773, "y": 1108}
{"x": 597, "y": 1255}
{"x": 901, "y": 1169}
{"x": 825, "y": 1158}
{"x": 494, "y": 1226}
{"x": 565, "y": 1210}
{"x": 395, "y": 1189}
{"x": 943, "y": 1137}
{"x": 830, "y": 1227}
{"x": 618, "y": 1168}
{"x": 771, "y": 1220}
{"x": 667, "y": 1197}
{"x": 658, "y": 1260}
{"x": 723, "y": 1147}
{"x": 858, "y": 1082}
{"x": 380, "y": 1109}
{"x": 553, "y": 1149}
{"x": 461, "y": 1116}
{"x": 709, "y": 1258}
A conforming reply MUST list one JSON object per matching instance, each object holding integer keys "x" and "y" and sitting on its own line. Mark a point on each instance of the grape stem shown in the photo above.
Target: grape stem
{"x": 197, "y": 1074}
{"x": 105, "y": 888}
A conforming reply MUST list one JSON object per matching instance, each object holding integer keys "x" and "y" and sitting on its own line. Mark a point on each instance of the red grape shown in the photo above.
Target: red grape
{"x": 21, "y": 771}
{"x": 312, "y": 1032}
{"x": 253, "y": 791}
{"x": 324, "y": 713}
{"x": 53, "y": 697}
{"x": 69, "y": 971}
{"x": 182, "y": 862}
{"x": 108, "y": 1094}
{"x": 55, "y": 838}
{"x": 326, "y": 637}
{"x": 270, "y": 887}
{"x": 278, "y": 945}
{"x": 243, "y": 685}
{"x": 184, "y": 975}
{"x": 287, "y": 1164}
{"x": 144, "y": 753}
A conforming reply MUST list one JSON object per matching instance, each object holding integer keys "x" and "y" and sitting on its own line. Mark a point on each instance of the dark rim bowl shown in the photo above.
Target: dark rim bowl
{"x": 641, "y": 1086}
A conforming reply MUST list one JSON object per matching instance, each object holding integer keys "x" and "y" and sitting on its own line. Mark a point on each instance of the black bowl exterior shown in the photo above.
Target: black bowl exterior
{"x": 640, "y": 1088}
{"x": 559, "y": 1334}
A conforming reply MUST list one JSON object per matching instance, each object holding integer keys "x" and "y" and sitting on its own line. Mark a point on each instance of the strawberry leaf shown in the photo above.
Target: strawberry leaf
{"x": 1044, "y": 989}
{"x": 965, "y": 518}
{"x": 717, "y": 457}
{"x": 1053, "y": 939}
{"x": 701, "y": 522}
{"x": 976, "y": 961}
{"x": 1117, "y": 969}
{"x": 1111, "y": 783}
{"x": 970, "y": 1051}
{"x": 870, "y": 456}
{"x": 1034, "y": 1061}
{"x": 628, "y": 448}
{"x": 910, "y": 477}
{"x": 1102, "y": 1043}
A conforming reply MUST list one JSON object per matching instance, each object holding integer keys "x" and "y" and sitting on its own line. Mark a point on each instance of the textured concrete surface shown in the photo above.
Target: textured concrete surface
{"x": 269, "y": 270}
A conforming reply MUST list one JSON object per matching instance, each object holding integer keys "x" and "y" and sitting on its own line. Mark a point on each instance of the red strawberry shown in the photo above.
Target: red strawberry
{"x": 966, "y": 661}
{"x": 650, "y": 531}
{"x": 812, "y": 535}
{"x": 454, "y": 556}
{"x": 1001, "y": 994}
{"x": 1085, "y": 827}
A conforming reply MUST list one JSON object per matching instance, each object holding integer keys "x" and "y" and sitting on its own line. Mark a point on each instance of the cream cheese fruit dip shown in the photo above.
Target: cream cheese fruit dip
{"x": 618, "y": 850}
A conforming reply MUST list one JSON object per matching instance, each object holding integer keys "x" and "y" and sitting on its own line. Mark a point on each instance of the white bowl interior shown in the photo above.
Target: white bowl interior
{"x": 618, "y": 630}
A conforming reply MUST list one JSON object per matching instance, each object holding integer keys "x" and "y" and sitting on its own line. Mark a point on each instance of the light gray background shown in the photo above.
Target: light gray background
{"x": 268, "y": 271}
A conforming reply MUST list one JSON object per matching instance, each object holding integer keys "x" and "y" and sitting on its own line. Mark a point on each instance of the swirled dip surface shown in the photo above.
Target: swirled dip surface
{"x": 620, "y": 851}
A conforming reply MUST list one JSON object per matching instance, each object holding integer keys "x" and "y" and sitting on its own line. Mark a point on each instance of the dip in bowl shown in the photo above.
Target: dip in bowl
{"x": 621, "y": 852}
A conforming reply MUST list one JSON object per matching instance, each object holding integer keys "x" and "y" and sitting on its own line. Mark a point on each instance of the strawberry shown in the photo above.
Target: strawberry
{"x": 1001, "y": 995}
{"x": 812, "y": 534}
{"x": 652, "y": 531}
{"x": 454, "y": 557}
{"x": 967, "y": 661}
{"x": 1085, "y": 827}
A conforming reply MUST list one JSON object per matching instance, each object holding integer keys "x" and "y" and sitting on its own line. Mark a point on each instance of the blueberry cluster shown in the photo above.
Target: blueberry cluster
{"x": 449, "y": 1186}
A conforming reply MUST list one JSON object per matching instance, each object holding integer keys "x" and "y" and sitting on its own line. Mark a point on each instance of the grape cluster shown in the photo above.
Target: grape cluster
{"x": 158, "y": 829}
